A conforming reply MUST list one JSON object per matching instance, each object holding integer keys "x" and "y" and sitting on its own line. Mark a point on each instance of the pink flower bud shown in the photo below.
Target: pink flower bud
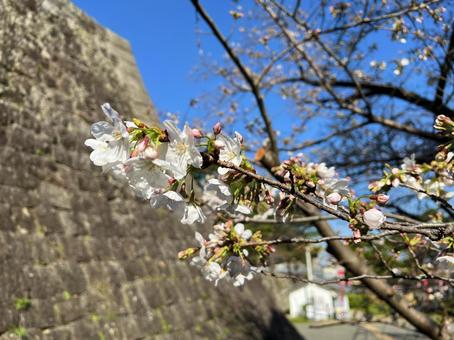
{"x": 142, "y": 145}
{"x": 334, "y": 198}
{"x": 181, "y": 254}
{"x": 217, "y": 128}
{"x": 394, "y": 171}
{"x": 197, "y": 133}
{"x": 134, "y": 153}
{"x": 382, "y": 198}
{"x": 444, "y": 119}
{"x": 171, "y": 181}
{"x": 374, "y": 218}
{"x": 270, "y": 249}
{"x": 268, "y": 197}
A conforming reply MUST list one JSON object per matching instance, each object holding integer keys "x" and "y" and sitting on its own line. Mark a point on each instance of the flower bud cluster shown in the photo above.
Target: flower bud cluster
{"x": 314, "y": 178}
{"x": 425, "y": 179}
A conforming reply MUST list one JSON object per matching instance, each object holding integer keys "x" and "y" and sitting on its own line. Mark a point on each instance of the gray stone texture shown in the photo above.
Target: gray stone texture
{"x": 93, "y": 261}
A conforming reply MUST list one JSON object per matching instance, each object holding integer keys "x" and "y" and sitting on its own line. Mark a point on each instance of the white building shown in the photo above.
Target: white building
{"x": 313, "y": 301}
{"x": 318, "y": 303}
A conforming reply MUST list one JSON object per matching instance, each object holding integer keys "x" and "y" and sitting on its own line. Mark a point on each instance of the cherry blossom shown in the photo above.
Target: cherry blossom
{"x": 229, "y": 151}
{"x": 111, "y": 139}
{"x": 374, "y": 218}
{"x": 181, "y": 151}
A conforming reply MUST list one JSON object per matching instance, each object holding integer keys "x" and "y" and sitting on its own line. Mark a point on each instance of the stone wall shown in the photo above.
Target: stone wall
{"x": 80, "y": 257}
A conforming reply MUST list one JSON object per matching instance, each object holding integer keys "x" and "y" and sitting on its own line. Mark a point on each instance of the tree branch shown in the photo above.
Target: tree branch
{"x": 247, "y": 74}
{"x": 445, "y": 69}
{"x": 382, "y": 89}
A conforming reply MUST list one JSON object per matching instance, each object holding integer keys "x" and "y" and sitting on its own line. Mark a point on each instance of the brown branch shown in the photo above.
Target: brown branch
{"x": 307, "y": 219}
{"x": 382, "y": 258}
{"x": 389, "y": 15}
{"x": 328, "y": 85}
{"x": 357, "y": 278}
{"x": 310, "y": 143}
{"x": 247, "y": 74}
{"x": 393, "y": 226}
{"x": 381, "y": 89}
{"x": 433, "y": 197}
{"x": 445, "y": 69}
{"x": 332, "y": 55}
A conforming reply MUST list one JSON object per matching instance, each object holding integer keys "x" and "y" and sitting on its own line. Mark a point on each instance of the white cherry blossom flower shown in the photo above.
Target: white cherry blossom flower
{"x": 193, "y": 213}
{"x": 239, "y": 270}
{"x": 374, "y": 218}
{"x": 324, "y": 172}
{"x": 213, "y": 272}
{"x": 144, "y": 177}
{"x": 201, "y": 259}
{"x": 218, "y": 195}
{"x": 189, "y": 213}
{"x": 245, "y": 234}
{"x": 110, "y": 144}
{"x": 230, "y": 151}
{"x": 181, "y": 151}
{"x": 202, "y": 243}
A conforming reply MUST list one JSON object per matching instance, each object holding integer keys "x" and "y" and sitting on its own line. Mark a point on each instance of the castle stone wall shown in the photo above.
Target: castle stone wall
{"x": 80, "y": 256}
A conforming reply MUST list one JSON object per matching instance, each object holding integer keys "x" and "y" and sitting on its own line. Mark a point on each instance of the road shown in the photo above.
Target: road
{"x": 366, "y": 331}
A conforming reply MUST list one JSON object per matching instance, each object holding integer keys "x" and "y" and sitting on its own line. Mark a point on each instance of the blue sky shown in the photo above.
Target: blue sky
{"x": 163, "y": 38}
{"x": 164, "y": 42}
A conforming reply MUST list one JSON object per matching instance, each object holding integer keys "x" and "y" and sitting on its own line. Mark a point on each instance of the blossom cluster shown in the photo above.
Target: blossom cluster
{"x": 161, "y": 164}
{"x": 323, "y": 182}
{"x": 429, "y": 180}
{"x": 230, "y": 252}
{"x": 158, "y": 163}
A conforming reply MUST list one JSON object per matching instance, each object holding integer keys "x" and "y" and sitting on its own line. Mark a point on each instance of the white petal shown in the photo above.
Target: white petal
{"x": 196, "y": 158}
{"x": 174, "y": 196}
{"x": 246, "y": 234}
{"x": 447, "y": 258}
{"x": 99, "y": 157}
{"x": 242, "y": 209}
{"x": 199, "y": 238}
{"x": 223, "y": 171}
{"x": 95, "y": 144}
{"x": 173, "y": 132}
{"x": 239, "y": 228}
{"x": 109, "y": 112}
{"x": 102, "y": 130}
{"x": 192, "y": 214}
